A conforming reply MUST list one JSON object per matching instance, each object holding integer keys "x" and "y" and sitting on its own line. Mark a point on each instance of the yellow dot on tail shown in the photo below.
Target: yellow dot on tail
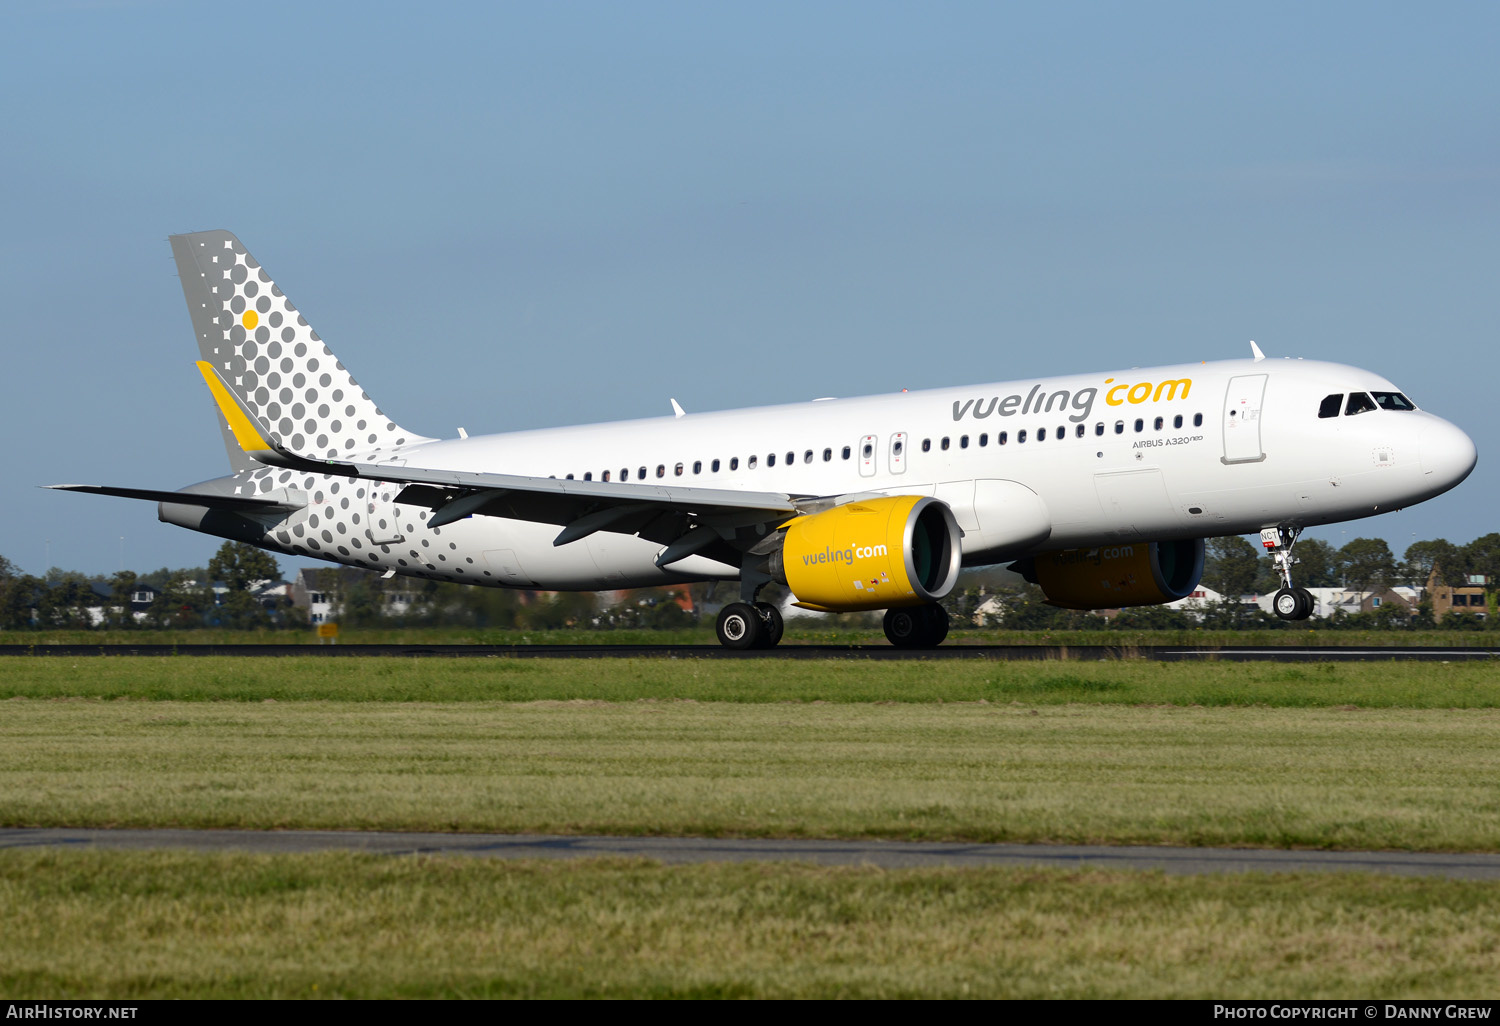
{"x": 251, "y": 319}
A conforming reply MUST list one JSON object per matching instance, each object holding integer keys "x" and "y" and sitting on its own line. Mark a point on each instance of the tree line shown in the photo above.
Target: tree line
{"x": 1233, "y": 567}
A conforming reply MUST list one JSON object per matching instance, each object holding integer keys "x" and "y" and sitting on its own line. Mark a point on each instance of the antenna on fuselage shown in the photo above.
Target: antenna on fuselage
{"x": 1255, "y": 350}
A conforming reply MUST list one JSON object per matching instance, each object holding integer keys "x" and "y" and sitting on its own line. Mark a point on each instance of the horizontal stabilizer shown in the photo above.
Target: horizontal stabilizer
{"x": 239, "y": 503}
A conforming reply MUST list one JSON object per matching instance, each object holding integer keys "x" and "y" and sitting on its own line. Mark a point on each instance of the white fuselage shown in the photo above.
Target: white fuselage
{"x": 1187, "y": 451}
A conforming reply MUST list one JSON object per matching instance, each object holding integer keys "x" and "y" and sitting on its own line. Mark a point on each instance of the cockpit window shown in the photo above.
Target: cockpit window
{"x": 1358, "y": 403}
{"x": 1330, "y": 406}
{"x": 1392, "y": 401}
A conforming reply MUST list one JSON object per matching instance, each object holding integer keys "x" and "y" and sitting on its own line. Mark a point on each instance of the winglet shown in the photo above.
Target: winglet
{"x": 245, "y": 430}
{"x": 248, "y": 431}
{"x": 677, "y": 411}
{"x": 1259, "y": 356}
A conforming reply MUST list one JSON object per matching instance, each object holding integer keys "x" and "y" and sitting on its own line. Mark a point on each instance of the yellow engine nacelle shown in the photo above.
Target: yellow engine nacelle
{"x": 875, "y": 554}
{"x": 1127, "y": 574}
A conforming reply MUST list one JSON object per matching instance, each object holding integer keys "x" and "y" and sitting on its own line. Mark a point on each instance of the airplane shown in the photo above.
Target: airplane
{"x": 1098, "y": 488}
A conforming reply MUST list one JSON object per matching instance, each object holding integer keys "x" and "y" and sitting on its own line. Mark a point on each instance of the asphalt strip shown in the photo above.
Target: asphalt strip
{"x": 680, "y": 850}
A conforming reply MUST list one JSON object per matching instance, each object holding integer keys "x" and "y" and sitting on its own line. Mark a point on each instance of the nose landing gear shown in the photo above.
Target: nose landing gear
{"x": 1290, "y": 603}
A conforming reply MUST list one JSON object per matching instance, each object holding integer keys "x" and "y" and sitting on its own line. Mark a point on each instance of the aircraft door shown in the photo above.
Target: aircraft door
{"x": 382, "y": 516}
{"x": 1242, "y": 405}
{"x": 867, "y": 456}
{"x": 897, "y": 461}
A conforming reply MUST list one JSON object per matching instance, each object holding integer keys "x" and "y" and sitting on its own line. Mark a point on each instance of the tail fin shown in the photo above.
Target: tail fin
{"x": 269, "y": 357}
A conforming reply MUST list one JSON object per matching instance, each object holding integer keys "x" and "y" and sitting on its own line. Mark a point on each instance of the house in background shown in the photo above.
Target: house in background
{"x": 319, "y": 590}
{"x": 1467, "y": 598}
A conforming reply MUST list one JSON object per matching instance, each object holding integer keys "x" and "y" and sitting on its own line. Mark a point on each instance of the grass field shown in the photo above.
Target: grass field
{"x": 1122, "y": 682}
{"x": 165, "y": 925}
{"x": 1388, "y": 778}
{"x": 1372, "y": 755}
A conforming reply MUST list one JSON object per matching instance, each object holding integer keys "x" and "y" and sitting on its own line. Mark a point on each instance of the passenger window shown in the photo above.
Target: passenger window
{"x": 568, "y": 477}
{"x": 1177, "y": 421}
{"x": 1358, "y": 403}
{"x": 1078, "y": 432}
{"x": 963, "y": 442}
{"x": 1329, "y": 407}
{"x": 1002, "y": 438}
{"x": 846, "y": 452}
{"x": 770, "y": 459}
{"x": 1140, "y": 425}
{"x": 984, "y": 440}
{"x": 661, "y": 469}
{"x": 791, "y": 458}
{"x": 1160, "y": 423}
{"x": 751, "y": 464}
{"x": 714, "y": 466}
{"x": 1041, "y": 434}
{"x": 641, "y": 474}
{"x": 807, "y": 456}
{"x": 1021, "y": 436}
{"x": 926, "y": 445}
{"x": 604, "y": 476}
{"x": 588, "y": 475}
{"x": 624, "y": 473}
{"x": 1062, "y": 432}
{"x": 1099, "y": 428}
{"x": 1392, "y": 401}
{"x": 1197, "y": 420}
{"x": 869, "y": 450}
{"x": 896, "y": 448}
{"x": 734, "y": 462}
{"x": 945, "y": 443}
{"x": 697, "y": 466}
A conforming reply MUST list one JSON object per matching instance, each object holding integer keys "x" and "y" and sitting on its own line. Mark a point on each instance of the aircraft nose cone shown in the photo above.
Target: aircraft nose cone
{"x": 1446, "y": 453}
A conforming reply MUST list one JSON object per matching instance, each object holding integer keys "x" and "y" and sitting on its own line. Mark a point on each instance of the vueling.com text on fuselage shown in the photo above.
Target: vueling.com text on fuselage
{"x": 1077, "y": 405}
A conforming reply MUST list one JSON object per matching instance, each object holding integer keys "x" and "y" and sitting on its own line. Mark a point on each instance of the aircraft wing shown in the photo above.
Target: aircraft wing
{"x": 686, "y": 520}
{"x": 674, "y": 516}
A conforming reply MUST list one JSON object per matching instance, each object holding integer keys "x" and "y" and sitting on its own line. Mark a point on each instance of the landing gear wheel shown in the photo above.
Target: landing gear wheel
{"x": 1292, "y": 604}
{"x": 937, "y": 620}
{"x": 1308, "y": 603}
{"x": 916, "y": 626}
{"x": 739, "y": 626}
{"x": 905, "y": 627}
{"x": 771, "y": 625}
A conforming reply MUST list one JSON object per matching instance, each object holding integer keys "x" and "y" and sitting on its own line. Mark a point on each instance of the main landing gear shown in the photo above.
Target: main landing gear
{"x": 746, "y": 625}
{"x": 1290, "y": 603}
{"x": 916, "y": 626}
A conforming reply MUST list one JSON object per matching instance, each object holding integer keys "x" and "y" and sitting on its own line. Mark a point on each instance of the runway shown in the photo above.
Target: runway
{"x": 1082, "y": 653}
{"x": 682, "y": 850}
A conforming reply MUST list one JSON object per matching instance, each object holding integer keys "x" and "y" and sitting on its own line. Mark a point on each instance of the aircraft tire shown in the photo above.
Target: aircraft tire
{"x": 906, "y": 627}
{"x": 739, "y": 626}
{"x": 772, "y": 625}
{"x": 1308, "y": 603}
{"x": 1289, "y": 605}
{"x": 937, "y": 619}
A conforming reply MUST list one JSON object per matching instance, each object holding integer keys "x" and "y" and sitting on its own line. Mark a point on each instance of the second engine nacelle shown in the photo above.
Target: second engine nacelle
{"x": 900, "y": 550}
{"x": 1128, "y": 574}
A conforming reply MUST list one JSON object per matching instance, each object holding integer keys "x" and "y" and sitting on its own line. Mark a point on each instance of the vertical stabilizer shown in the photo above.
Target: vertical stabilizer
{"x": 269, "y": 356}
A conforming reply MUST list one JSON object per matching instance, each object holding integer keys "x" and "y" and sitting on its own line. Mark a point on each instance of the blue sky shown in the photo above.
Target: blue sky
{"x": 519, "y": 215}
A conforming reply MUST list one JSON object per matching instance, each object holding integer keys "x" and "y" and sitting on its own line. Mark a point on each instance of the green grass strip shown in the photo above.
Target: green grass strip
{"x": 129, "y": 925}
{"x": 1320, "y": 778}
{"x": 1128, "y": 682}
